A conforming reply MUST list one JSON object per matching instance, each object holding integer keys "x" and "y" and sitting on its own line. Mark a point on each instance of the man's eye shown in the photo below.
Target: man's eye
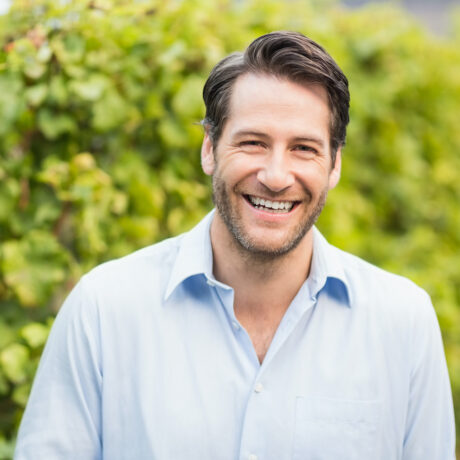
{"x": 252, "y": 143}
{"x": 306, "y": 148}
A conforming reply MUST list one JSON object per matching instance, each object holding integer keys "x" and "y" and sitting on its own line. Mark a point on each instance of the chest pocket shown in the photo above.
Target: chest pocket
{"x": 331, "y": 429}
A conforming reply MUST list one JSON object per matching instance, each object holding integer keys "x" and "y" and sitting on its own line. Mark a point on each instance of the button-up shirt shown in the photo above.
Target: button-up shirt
{"x": 147, "y": 360}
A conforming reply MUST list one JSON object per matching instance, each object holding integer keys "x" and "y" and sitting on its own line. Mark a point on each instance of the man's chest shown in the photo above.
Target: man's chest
{"x": 196, "y": 390}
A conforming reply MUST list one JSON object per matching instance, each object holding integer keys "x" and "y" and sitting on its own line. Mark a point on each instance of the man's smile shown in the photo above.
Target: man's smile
{"x": 270, "y": 205}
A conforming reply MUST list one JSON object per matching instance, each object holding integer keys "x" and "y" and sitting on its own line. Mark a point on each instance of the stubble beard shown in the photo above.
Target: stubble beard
{"x": 246, "y": 244}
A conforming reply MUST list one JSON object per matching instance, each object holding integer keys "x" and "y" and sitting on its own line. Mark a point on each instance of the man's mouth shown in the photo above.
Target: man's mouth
{"x": 270, "y": 205}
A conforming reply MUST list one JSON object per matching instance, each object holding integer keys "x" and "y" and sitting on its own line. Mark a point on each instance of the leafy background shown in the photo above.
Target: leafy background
{"x": 99, "y": 148}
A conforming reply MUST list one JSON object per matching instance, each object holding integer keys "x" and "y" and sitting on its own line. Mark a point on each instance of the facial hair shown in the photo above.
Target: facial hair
{"x": 243, "y": 240}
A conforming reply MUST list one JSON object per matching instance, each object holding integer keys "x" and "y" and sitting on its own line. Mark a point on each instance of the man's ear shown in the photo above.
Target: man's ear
{"x": 334, "y": 175}
{"x": 207, "y": 156}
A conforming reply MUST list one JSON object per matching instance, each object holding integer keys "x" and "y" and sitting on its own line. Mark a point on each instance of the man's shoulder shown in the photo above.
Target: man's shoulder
{"x": 144, "y": 265}
{"x": 373, "y": 285}
{"x": 358, "y": 267}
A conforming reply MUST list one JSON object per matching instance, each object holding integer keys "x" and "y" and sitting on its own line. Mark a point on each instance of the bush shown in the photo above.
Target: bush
{"x": 99, "y": 148}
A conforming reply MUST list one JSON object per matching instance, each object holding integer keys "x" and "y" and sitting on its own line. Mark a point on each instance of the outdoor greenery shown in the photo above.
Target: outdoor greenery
{"x": 99, "y": 148}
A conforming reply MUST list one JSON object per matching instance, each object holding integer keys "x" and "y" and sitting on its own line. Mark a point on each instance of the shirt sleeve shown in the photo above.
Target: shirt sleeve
{"x": 62, "y": 419}
{"x": 430, "y": 426}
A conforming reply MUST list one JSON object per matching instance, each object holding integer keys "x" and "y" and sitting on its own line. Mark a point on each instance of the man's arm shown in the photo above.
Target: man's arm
{"x": 430, "y": 426}
{"x": 63, "y": 415}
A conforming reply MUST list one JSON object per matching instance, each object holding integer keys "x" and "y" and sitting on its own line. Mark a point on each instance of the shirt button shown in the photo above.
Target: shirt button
{"x": 235, "y": 325}
{"x": 252, "y": 457}
{"x": 258, "y": 387}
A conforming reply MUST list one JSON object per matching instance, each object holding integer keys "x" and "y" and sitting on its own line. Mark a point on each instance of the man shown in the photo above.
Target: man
{"x": 249, "y": 337}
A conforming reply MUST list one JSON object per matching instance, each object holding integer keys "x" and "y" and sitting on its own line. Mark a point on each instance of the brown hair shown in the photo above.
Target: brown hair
{"x": 289, "y": 55}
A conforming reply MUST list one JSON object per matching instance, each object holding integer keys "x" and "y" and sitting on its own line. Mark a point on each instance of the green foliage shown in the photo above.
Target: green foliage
{"x": 99, "y": 148}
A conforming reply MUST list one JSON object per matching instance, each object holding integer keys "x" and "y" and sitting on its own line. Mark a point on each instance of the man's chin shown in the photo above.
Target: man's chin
{"x": 268, "y": 248}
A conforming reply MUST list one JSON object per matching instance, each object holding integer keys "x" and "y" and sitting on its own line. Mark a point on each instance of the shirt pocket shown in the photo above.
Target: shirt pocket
{"x": 331, "y": 429}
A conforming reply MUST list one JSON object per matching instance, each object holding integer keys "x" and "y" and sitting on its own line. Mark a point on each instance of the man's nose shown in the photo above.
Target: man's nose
{"x": 275, "y": 173}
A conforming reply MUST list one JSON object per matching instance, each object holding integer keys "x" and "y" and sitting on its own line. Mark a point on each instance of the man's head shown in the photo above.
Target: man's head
{"x": 275, "y": 123}
{"x": 286, "y": 55}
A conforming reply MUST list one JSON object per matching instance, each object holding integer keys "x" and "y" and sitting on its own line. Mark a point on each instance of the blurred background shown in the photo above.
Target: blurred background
{"x": 99, "y": 146}
{"x": 435, "y": 14}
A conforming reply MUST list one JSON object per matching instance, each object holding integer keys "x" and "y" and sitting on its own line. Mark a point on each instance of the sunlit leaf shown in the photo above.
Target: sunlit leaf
{"x": 35, "y": 95}
{"x": 35, "y": 334}
{"x": 13, "y": 360}
{"x": 33, "y": 266}
{"x": 54, "y": 124}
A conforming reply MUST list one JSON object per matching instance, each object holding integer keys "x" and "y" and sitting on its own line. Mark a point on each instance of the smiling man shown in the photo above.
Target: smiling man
{"x": 249, "y": 337}
{"x": 272, "y": 167}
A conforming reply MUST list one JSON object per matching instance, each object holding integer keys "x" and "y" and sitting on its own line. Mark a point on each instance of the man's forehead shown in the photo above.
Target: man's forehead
{"x": 259, "y": 100}
{"x": 251, "y": 81}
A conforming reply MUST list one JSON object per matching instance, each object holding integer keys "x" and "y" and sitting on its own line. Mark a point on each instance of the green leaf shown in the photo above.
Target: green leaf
{"x": 7, "y": 334}
{"x": 109, "y": 112}
{"x": 35, "y": 95}
{"x": 10, "y": 190}
{"x": 34, "y": 70}
{"x": 14, "y": 360}
{"x": 11, "y": 101}
{"x": 4, "y": 386}
{"x": 154, "y": 106}
{"x": 57, "y": 91}
{"x": 44, "y": 53}
{"x": 53, "y": 125}
{"x": 68, "y": 49}
{"x": 21, "y": 393}
{"x": 90, "y": 89}
{"x": 188, "y": 102}
{"x": 6, "y": 449}
{"x": 35, "y": 334}
{"x": 172, "y": 134}
{"x": 33, "y": 266}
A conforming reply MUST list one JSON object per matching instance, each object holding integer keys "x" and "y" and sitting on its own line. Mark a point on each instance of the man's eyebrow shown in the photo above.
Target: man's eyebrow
{"x": 243, "y": 133}
{"x": 315, "y": 140}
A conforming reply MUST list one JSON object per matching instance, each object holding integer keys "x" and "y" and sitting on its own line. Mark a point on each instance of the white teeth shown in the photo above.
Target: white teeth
{"x": 278, "y": 206}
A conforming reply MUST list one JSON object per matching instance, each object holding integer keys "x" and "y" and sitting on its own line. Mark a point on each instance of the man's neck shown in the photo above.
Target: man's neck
{"x": 259, "y": 278}
{"x": 263, "y": 287}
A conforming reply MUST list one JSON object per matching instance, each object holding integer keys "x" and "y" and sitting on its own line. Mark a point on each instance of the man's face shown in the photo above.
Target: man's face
{"x": 272, "y": 166}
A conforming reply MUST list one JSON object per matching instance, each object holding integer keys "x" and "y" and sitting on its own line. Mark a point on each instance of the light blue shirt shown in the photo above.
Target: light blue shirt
{"x": 146, "y": 360}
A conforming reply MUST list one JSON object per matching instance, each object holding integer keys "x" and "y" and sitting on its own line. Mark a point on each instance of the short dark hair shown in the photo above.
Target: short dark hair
{"x": 284, "y": 54}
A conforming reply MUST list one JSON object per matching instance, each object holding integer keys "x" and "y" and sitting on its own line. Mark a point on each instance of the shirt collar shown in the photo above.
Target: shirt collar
{"x": 194, "y": 257}
{"x": 327, "y": 267}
